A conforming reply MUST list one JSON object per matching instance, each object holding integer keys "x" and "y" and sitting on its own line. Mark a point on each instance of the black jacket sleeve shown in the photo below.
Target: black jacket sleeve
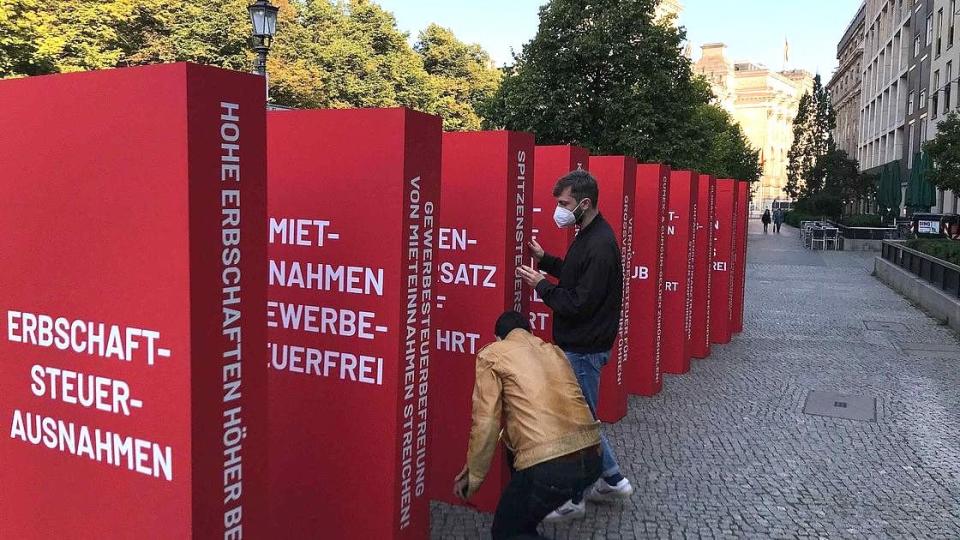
{"x": 551, "y": 265}
{"x": 584, "y": 299}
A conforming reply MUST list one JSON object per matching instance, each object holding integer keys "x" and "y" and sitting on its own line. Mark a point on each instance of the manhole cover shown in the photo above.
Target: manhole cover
{"x": 940, "y": 350}
{"x": 836, "y": 405}
{"x": 885, "y": 326}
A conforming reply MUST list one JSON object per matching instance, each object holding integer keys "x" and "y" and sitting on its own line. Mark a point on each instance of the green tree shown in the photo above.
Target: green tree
{"x": 326, "y": 54}
{"x": 837, "y": 176}
{"x": 348, "y": 54}
{"x": 463, "y": 74}
{"x": 812, "y": 138}
{"x": 23, "y": 50}
{"x": 944, "y": 150}
{"x": 603, "y": 74}
{"x": 724, "y": 149}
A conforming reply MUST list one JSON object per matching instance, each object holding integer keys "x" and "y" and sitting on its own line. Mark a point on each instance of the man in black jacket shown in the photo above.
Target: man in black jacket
{"x": 586, "y": 310}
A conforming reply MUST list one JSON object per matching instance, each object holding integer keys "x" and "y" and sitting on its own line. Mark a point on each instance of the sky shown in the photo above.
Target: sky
{"x": 754, "y": 30}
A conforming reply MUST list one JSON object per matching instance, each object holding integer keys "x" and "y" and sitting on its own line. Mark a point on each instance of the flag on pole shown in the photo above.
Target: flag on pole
{"x": 786, "y": 52}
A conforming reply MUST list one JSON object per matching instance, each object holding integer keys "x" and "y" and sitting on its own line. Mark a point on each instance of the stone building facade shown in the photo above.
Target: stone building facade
{"x": 944, "y": 65}
{"x": 764, "y": 102}
{"x": 844, "y": 86}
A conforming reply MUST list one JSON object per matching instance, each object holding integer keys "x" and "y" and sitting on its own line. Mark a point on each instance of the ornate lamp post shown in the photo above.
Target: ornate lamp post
{"x": 263, "y": 16}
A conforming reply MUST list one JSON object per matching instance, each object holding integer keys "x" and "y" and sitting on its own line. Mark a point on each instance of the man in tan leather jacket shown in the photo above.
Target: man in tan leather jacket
{"x": 549, "y": 428}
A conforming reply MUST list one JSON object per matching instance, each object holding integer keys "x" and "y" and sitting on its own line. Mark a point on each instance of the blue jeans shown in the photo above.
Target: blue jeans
{"x": 587, "y": 369}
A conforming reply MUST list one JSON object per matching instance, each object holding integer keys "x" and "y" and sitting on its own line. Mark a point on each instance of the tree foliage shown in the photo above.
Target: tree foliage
{"x": 463, "y": 75}
{"x": 724, "y": 149}
{"x": 603, "y": 74}
{"x": 343, "y": 53}
{"x": 838, "y": 176}
{"x": 944, "y": 150}
{"x": 22, "y": 43}
{"x": 812, "y": 138}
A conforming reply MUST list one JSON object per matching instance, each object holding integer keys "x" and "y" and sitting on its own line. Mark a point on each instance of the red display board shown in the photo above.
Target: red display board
{"x": 740, "y": 270}
{"x": 643, "y": 369}
{"x": 131, "y": 272}
{"x": 482, "y": 240}
{"x": 616, "y": 178}
{"x": 553, "y": 162}
{"x": 721, "y": 285}
{"x": 703, "y": 263}
{"x": 677, "y": 303}
{"x": 353, "y": 206}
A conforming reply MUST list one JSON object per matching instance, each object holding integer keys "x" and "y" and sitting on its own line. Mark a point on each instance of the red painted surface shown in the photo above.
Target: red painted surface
{"x": 740, "y": 269}
{"x": 722, "y": 281}
{"x": 703, "y": 264}
{"x": 677, "y": 315}
{"x": 116, "y": 192}
{"x": 482, "y": 240}
{"x": 643, "y": 370}
{"x": 358, "y": 191}
{"x": 616, "y": 178}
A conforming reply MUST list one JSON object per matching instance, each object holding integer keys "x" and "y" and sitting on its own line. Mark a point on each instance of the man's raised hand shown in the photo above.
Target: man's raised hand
{"x": 531, "y": 276}
{"x": 535, "y": 249}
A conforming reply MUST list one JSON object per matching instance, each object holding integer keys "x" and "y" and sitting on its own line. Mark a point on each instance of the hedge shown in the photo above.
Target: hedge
{"x": 943, "y": 249}
{"x": 793, "y": 218}
{"x": 862, "y": 220}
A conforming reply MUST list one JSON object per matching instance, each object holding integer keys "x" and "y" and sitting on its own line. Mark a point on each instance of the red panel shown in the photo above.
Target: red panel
{"x": 482, "y": 239}
{"x": 553, "y": 162}
{"x": 112, "y": 219}
{"x": 740, "y": 269}
{"x": 703, "y": 262}
{"x": 353, "y": 244}
{"x": 643, "y": 370}
{"x": 616, "y": 178}
{"x": 677, "y": 316}
{"x": 722, "y": 283}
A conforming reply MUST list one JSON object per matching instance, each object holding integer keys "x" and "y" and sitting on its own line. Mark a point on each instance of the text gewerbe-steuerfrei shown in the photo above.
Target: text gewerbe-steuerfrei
{"x": 338, "y": 322}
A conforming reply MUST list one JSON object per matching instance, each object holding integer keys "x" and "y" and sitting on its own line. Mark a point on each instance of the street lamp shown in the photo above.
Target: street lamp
{"x": 263, "y": 16}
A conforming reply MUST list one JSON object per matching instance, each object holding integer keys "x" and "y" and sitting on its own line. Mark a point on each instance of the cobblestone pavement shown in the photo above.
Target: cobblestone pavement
{"x": 726, "y": 450}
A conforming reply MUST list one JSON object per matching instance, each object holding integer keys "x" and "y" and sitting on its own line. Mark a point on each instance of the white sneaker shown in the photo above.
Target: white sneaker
{"x": 601, "y": 491}
{"x": 567, "y": 511}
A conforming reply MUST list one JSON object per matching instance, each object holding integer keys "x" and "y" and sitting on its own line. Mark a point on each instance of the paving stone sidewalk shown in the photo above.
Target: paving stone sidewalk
{"x": 726, "y": 450}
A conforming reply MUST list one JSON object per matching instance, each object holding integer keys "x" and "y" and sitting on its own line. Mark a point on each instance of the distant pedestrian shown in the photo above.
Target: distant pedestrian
{"x": 777, "y": 220}
{"x": 766, "y": 220}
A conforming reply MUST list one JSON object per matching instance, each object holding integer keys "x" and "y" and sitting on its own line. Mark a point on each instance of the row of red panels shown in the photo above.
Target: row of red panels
{"x": 142, "y": 240}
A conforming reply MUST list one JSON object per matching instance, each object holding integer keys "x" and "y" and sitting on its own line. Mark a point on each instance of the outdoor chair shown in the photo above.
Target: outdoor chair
{"x": 831, "y": 235}
{"x": 803, "y": 232}
{"x": 806, "y": 233}
{"x": 818, "y": 236}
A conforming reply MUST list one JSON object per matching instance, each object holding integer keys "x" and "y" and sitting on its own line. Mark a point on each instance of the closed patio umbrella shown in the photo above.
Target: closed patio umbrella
{"x": 925, "y": 193}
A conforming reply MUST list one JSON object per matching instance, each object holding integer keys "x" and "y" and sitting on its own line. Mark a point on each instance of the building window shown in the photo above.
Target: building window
{"x": 922, "y": 104}
{"x": 947, "y": 87}
{"x": 910, "y": 98}
{"x": 910, "y": 154}
{"x": 935, "y": 97}
{"x": 916, "y": 44}
{"x": 939, "y": 33}
{"x": 929, "y": 30}
{"x": 950, "y": 19}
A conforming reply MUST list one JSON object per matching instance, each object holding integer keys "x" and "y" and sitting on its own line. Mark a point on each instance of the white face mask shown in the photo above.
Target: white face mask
{"x": 565, "y": 218}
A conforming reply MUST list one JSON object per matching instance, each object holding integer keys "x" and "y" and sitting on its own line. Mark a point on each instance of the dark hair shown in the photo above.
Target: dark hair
{"x": 582, "y": 186}
{"x": 508, "y": 322}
